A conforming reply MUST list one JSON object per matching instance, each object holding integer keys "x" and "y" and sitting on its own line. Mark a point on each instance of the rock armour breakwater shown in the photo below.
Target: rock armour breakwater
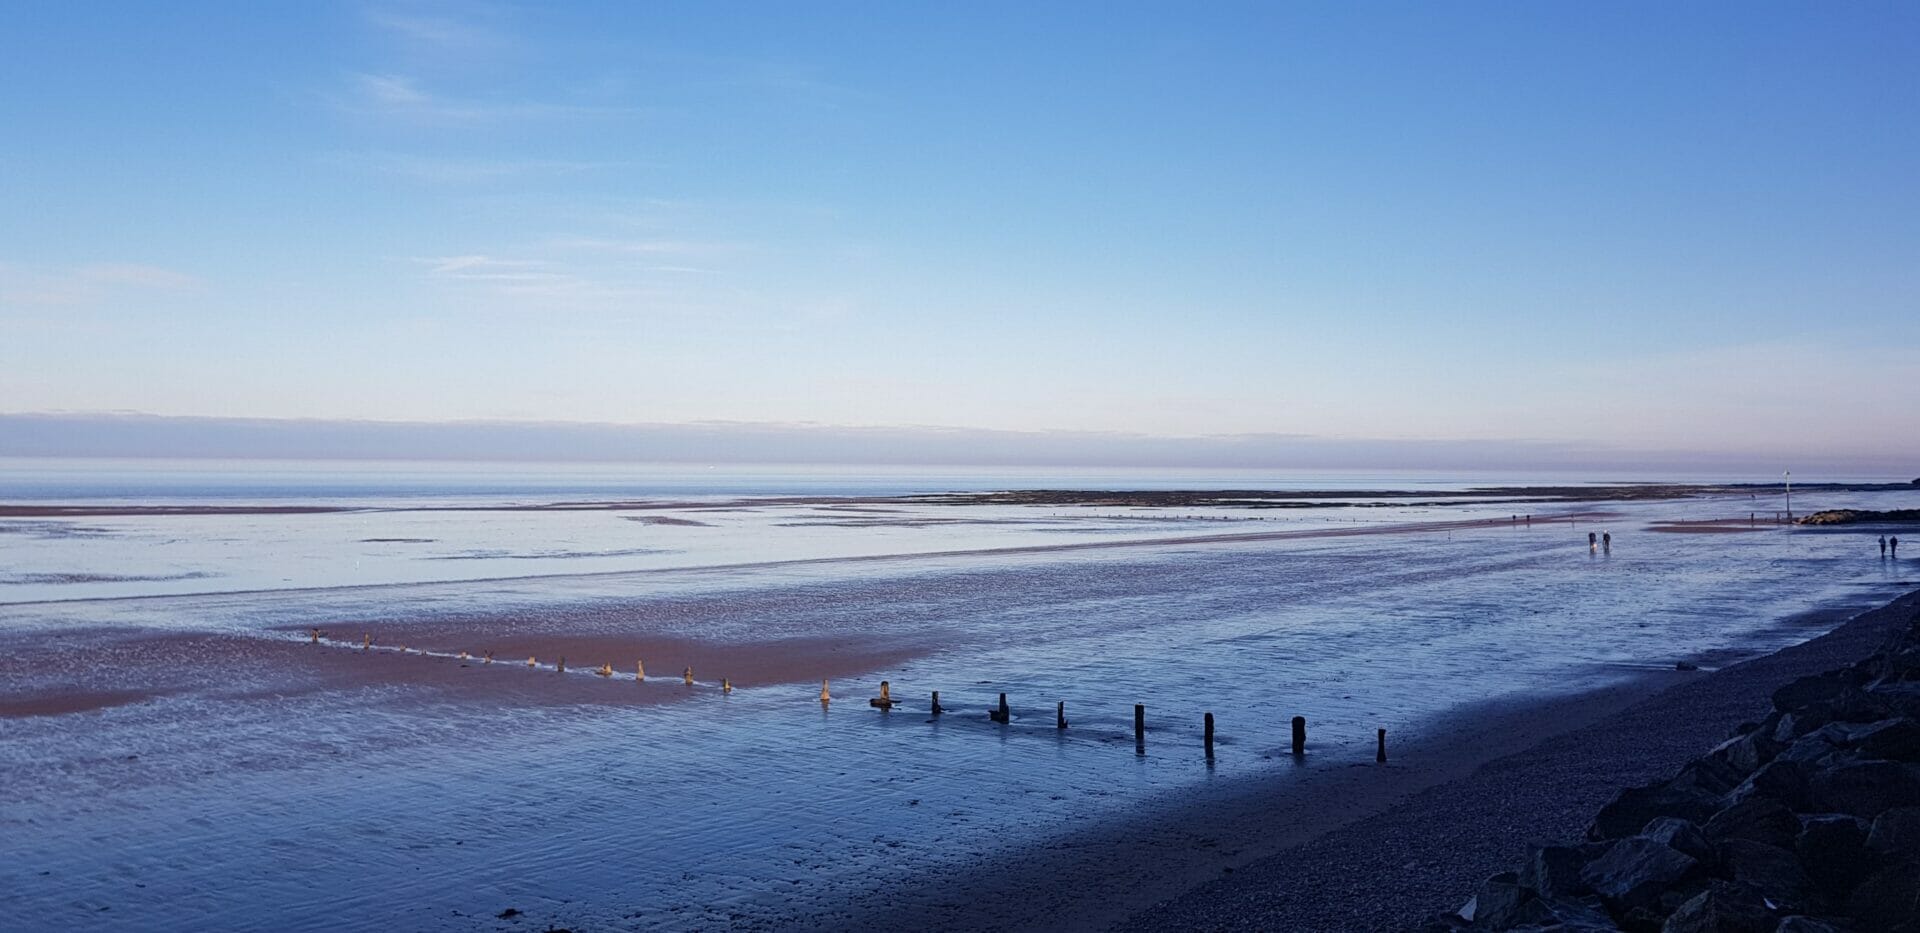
{"x": 1808, "y": 820}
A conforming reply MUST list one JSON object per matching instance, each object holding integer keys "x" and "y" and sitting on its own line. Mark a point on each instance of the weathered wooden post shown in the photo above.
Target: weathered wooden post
{"x": 563, "y": 664}
{"x": 366, "y": 641}
{"x": 885, "y": 699}
{"x": 640, "y": 670}
{"x": 825, "y": 696}
{"x": 529, "y": 660}
{"x": 1139, "y": 722}
{"x": 726, "y": 686}
{"x": 1299, "y": 735}
{"x": 687, "y": 676}
{"x": 463, "y": 654}
{"x": 937, "y": 710}
{"x": 1380, "y": 750}
{"x": 1060, "y": 715}
{"x": 489, "y": 658}
{"x": 606, "y": 670}
{"x": 1000, "y": 715}
{"x": 1209, "y": 735}
{"x": 315, "y": 637}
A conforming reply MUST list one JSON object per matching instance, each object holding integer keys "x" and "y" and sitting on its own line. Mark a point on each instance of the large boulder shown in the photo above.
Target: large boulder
{"x": 1635, "y": 870}
{"x": 1891, "y": 739}
{"x": 1889, "y": 899}
{"x": 1833, "y": 849}
{"x": 1500, "y": 901}
{"x": 1864, "y": 788}
{"x": 1554, "y": 871}
{"x": 1783, "y": 780}
{"x": 1774, "y": 871}
{"x": 1760, "y": 819}
{"x": 1896, "y": 833}
{"x": 1632, "y": 809}
{"x": 1683, "y": 836}
{"x": 1817, "y": 688}
{"x": 1724, "y": 907}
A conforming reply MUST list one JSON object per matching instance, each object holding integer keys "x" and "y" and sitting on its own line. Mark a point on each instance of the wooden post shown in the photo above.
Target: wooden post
{"x": 1001, "y": 715}
{"x": 687, "y": 676}
{"x": 606, "y": 670}
{"x": 316, "y": 637}
{"x": 366, "y": 641}
{"x": 825, "y": 696}
{"x": 1380, "y": 751}
{"x": 463, "y": 654}
{"x": 1299, "y": 735}
{"x": 639, "y": 670}
{"x": 1209, "y": 735}
{"x": 529, "y": 660}
{"x": 563, "y": 664}
{"x": 489, "y": 657}
{"x": 885, "y": 699}
{"x": 1139, "y": 722}
{"x": 726, "y": 686}
{"x": 1060, "y": 715}
{"x": 936, "y": 703}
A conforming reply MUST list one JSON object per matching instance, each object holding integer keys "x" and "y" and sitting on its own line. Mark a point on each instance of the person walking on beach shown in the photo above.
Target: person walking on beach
{"x": 1590, "y": 540}
{"x": 1606, "y": 540}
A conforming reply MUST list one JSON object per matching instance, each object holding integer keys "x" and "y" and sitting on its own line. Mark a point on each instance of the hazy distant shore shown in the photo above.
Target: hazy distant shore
{"x": 1196, "y": 498}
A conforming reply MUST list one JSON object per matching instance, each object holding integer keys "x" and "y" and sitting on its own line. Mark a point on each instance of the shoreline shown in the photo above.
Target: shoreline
{"x": 1359, "y": 846}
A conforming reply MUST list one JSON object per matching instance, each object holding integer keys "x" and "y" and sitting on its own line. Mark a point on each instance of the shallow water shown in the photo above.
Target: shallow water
{"x": 252, "y": 797}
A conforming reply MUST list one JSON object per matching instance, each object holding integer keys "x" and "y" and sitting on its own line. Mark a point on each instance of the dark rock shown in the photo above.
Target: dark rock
{"x": 1773, "y": 870}
{"x": 1896, "y": 833}
{"x": 1865, "y": 788}
{"x": 1635, "y": 870}
{"x": 1782, "y": 780}
{"x": 1712, "y": 775}
{"x": 1724, "y": 907}
{"x": 1809, "y": 925}
{"x": 1684, "y": 837}
{"x": 1901, "y": 699}
{"x": 509, "y": 913}
{"x": 1554, "y": 871}
{"x": 1889, "y": 899}
{"x": 1635, "y": 807}
{"x": 1833, "y": 849}
{"x": 1759, "y": 819}
{"x": 1685, "y": 666}
{"x": 1497, "y": 905}
{"x": 1806, "y": 691}
{"x": 1581, "y": 915}
{"x": 1892, "y": 739}
{"x": 1747, "y": 752}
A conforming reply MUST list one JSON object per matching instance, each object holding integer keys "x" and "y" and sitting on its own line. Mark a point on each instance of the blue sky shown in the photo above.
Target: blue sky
{"x": 1673, "y": 227}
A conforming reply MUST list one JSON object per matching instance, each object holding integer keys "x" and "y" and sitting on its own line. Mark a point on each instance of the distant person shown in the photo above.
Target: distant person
{"x": 1590, "y": 540}
{"x": 1883, "y": 545}
{"x": 1606, "y": 540}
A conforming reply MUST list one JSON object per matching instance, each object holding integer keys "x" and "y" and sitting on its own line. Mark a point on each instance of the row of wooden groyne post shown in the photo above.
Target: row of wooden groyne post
{"x": 1001, "y": 713}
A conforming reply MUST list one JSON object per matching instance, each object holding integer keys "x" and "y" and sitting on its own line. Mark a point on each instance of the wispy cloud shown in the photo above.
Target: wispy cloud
{"x": 85, "y": 284}
{"x": 401, "y": 96}
{"x": 455, "y": 170}
{"x": 439, "y": 31}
